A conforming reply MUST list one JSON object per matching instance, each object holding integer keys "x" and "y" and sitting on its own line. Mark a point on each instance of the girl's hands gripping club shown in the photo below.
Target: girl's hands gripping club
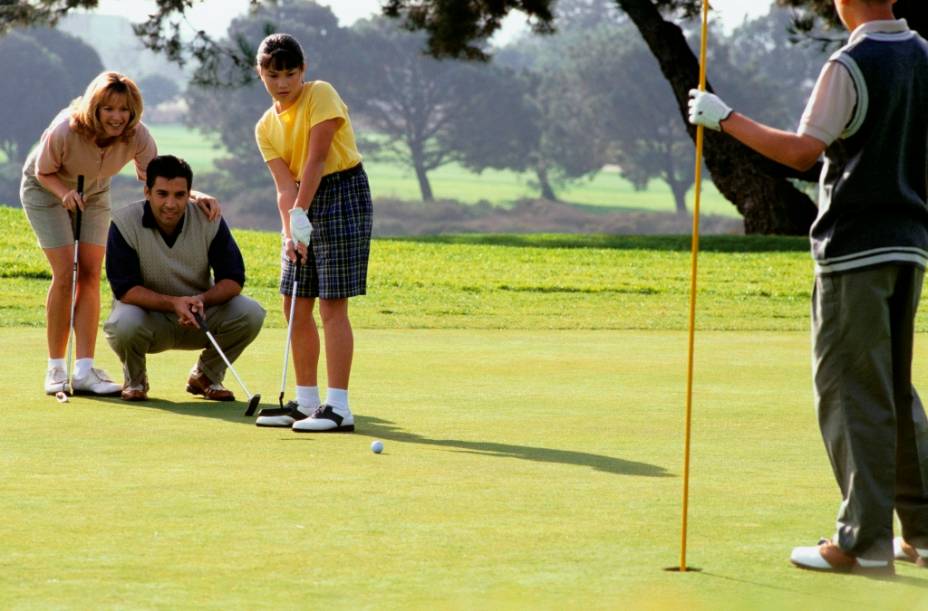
{"x": 301, "y": 230}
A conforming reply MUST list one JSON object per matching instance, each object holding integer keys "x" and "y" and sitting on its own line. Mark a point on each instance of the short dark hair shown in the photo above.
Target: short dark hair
{"x": 170, "y": 167}
{"x": 280, "y": 52}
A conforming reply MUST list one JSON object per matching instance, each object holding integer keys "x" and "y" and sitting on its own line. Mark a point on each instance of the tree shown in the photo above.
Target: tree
{"x": 420, "y": 105}
{"x": 759, "y": 188}
{"x": 27, "y": 110}
{"x": 157, "y": 89}
{"x": 81, "y": 61}
{"x": 813, "y": 14}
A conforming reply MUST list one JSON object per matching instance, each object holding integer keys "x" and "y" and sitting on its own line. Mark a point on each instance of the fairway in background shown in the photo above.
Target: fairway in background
{"x": 607, "y": 190}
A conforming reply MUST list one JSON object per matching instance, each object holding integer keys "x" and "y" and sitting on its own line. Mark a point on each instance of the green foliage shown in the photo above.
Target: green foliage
{"x": 812, "y": 16}
{"x": 157, "y": 89}
{"x": 27, "y": 111}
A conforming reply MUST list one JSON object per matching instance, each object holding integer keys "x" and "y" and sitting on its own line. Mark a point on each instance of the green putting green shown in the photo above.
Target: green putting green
{"x": 529, "y": 469}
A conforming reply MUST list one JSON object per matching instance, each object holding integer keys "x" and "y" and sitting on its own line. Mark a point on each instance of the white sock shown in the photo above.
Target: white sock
{"x": 308, "y": 398}
{"x": 337, "y": 398}
{"x": 52, "y": 363}
{"x": 82, "y": 367}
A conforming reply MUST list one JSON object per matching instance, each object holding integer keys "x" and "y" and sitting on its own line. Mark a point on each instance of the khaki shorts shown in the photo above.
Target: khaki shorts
{"x": 51, "y": 222}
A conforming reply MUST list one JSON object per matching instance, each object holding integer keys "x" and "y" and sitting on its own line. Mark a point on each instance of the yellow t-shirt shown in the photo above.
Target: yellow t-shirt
{"x": 286, "y": 135}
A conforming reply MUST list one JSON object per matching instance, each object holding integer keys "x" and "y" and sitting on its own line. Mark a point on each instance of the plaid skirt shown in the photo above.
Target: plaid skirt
{"x": 340, "y": 244}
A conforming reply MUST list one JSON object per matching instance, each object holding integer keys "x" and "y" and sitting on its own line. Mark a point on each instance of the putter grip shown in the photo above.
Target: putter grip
{"x": 77, "y": 213}
{"x": 201, "y": 321}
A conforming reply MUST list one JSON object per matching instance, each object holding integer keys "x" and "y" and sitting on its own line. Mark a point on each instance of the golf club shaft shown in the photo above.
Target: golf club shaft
{"x": 77, "y": 242}
{"x": 694, "y": 258}
{"x": 202, "y": 323}
{"x": 296, "y": 276}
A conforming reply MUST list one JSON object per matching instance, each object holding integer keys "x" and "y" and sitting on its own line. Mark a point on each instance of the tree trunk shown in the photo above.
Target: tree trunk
{"x": 11, "y": 151}
{"x": 757, "y": 187}
{"x": 678, "y": 188}
{"x": 547, "y": 191}
{"x": 425, "y": 188}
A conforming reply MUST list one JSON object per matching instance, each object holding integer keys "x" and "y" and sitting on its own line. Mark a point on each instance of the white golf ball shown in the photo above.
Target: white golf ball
{"x": 62, "y": 398}
{"x": 377, "y": 446}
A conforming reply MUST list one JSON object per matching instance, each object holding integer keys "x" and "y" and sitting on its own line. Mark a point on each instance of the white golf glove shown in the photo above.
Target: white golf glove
{"x": 300, "y": 227}
{"x": 708, "y": 109}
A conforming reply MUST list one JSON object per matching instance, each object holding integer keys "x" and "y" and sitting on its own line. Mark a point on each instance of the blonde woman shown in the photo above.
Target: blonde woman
{"x": 95, "y": 137}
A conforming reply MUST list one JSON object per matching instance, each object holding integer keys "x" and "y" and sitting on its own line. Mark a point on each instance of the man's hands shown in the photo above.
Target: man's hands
{"x": 207, "y": 203}
{"x": 708, "y": 109}
{"x": 185, "y": 307}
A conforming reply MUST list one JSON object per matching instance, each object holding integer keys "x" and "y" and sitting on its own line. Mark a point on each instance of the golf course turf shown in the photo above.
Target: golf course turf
{"x": 532, "y": 424}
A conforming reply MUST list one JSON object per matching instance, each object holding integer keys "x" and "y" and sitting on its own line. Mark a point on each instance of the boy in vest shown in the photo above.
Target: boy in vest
{"x": 870, "y": 244}
{"x": 160, "y": 255}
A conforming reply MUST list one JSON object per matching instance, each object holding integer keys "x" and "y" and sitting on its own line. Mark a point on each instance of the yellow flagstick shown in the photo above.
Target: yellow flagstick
{"x": 693, "y": 267}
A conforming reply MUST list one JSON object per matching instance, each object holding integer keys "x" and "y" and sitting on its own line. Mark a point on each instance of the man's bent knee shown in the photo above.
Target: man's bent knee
{"x": 124, "y": 324}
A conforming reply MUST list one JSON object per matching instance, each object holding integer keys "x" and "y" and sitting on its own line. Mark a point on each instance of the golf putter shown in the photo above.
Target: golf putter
{"x": 253, "y": 400}
{"x": 68, "y": 389}
{"x": 296, "y": 280}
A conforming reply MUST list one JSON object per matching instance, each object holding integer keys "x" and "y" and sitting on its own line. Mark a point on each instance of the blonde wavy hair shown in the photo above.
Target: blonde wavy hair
{"x": 85, "y": 117}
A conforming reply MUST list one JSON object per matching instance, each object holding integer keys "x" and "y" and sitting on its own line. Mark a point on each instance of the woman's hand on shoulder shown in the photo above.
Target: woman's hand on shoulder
{"x": 208, "y": 204}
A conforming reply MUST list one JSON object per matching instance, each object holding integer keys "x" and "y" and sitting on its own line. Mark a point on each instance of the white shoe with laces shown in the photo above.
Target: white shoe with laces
{"x": 281, "y": 417}
{"x": 55, "y": 380}
{"x": 326, "y": 419}
{"x": 96, "y": 382}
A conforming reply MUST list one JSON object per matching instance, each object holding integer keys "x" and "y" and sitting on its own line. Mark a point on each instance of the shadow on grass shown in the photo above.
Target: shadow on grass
{"x": 231, "y": 411}
{"x": 818, "y": 593}
{"x": 388, "y": 431}
{"x": 384, "y": 429}
{"x": 714, "y": 243}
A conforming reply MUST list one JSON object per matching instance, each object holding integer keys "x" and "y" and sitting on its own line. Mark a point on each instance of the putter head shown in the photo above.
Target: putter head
{"x": 253, "y": 405}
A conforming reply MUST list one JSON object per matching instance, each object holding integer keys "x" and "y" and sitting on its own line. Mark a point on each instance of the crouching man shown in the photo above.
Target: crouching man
{"x": 160, "y": 255}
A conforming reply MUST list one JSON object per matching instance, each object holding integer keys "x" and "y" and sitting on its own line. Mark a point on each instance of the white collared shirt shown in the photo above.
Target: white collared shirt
{"x": 831, "y": 106}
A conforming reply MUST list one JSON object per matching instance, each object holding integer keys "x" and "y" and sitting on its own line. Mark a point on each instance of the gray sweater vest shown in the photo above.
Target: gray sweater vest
{"x": 180, "y": 270}
{"x": 872, "y": 202}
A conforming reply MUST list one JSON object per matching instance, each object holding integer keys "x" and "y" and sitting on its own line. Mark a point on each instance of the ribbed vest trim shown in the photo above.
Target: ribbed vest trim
{"x": 181, "y": 269}
{"x": 874, "y": 185}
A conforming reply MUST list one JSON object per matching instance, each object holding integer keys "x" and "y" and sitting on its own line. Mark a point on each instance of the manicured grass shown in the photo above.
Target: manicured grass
{"x": 529, "y": 392}
{"x": 522, "y": 469}
{"x": 510, "y": 282}
{"x": 389, "y": 180}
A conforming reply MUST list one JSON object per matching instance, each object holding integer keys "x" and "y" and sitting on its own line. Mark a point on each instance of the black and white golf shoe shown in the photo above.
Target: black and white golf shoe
{"x": 281, "y": 417}
{"x": 326, "y": 419}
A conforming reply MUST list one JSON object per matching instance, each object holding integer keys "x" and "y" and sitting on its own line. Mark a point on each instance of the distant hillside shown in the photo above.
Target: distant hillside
{"x": 119, "y": 48}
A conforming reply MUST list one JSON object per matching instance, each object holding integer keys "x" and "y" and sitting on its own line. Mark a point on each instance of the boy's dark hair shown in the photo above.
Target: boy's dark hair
{"x": 170, "y": 167}
{"x": 280, "y": 52}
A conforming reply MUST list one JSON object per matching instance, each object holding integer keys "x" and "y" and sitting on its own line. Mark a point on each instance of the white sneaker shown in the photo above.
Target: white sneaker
{"x": 326, "y": 419}
{"x": 96, "y": 382}
{"x": 281, "y": 417}
{"x": 56, "y": 379}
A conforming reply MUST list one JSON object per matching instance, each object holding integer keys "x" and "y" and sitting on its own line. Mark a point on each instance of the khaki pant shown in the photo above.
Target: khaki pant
{"x": 133, "y": 333}
{"x": 872, "y": 421}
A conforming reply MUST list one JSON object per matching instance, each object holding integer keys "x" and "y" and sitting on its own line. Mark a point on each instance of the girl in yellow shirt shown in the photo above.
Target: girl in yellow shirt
{"x": 324, "y": 200}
